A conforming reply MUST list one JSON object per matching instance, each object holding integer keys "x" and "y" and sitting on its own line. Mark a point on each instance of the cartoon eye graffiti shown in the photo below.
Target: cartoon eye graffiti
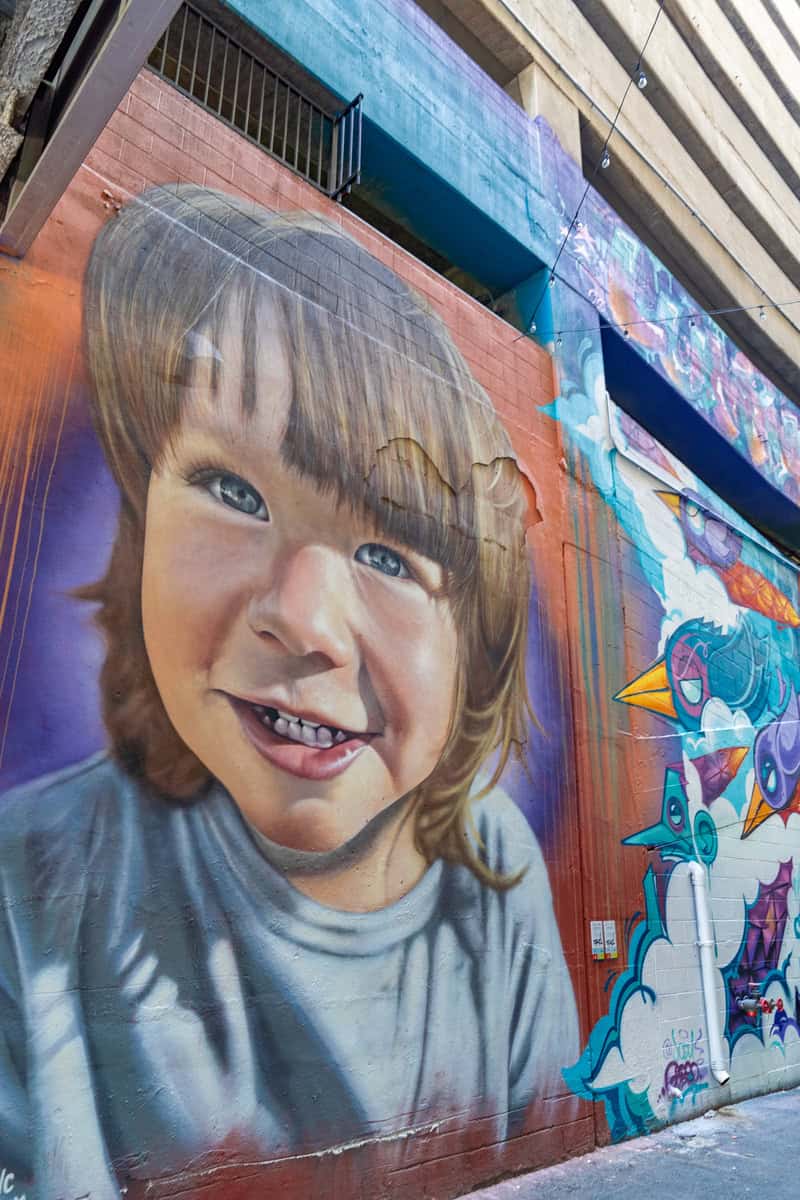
{"x": 700, "y": 661}
{"x": 676, "y": 814}
{"x": 776, "y": 752}
{"x": 769, "y": 781}
{"x": 695, "y": 517}
{"x": 676, "y": 837}
{"x": 706, "y": 839}
{"x": 692, "y": 690}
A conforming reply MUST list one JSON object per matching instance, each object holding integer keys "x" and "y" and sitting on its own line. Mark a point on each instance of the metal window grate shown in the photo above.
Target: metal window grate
{"x": 206, "y": 64}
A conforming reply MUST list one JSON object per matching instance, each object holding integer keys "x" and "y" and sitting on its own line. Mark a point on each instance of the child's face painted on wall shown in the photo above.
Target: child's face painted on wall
{"x": 308, "y": 663}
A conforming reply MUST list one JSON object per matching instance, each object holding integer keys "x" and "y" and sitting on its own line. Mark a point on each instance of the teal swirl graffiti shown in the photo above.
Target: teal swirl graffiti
{"x": 628, "y": 1112}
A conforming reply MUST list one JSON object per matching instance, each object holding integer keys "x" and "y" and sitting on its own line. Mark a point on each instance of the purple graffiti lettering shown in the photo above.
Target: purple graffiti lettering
{"x": 678, "y": 1076}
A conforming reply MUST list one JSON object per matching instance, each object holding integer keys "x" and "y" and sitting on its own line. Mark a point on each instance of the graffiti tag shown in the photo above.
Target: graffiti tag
{"x": 684, "y": 1045}
{"x": 8, "y": 1185}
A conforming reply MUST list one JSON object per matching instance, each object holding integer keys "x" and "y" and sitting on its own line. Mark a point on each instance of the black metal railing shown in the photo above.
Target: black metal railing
{"x": 208, "y": 65}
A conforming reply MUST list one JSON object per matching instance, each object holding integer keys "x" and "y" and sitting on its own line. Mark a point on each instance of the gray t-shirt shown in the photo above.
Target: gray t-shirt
{"x": 164, "y": 990}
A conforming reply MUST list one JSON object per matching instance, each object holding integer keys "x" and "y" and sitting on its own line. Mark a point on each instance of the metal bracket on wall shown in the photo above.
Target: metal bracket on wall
{"x": 100, "y": 57}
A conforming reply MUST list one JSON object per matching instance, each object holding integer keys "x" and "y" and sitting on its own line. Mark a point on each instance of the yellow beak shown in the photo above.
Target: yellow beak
{"x": 650, "y": 690}
{"x": 757, "y": 813}
{"x": 672, "y": 501}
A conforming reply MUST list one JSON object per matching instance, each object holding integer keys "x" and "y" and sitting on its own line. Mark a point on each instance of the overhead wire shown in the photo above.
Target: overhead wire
{"x": 692, "y": 317}
{"x": 637, "y": 76}
{"x": 602, "y": 163}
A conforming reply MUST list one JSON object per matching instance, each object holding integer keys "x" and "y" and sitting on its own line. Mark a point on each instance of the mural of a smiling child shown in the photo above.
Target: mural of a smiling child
{"x": 291, "y": 905}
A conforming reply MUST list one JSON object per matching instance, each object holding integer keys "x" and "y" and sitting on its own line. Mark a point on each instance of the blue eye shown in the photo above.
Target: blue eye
{"x": 381, "y": 558}
{"x": 236, "y": 493}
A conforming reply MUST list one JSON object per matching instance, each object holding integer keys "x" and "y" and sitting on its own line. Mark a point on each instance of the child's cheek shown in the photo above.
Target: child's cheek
{"x": 415, "y": 652}
{"x": 194, "y": 579}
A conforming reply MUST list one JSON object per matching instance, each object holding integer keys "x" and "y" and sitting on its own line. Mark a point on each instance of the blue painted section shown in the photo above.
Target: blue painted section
{"x": 628, "y": 1112}
{"x": 442, "y": 216}
{"x": 534, "y": 306}
{"x": 455, "y": 149}
{"x": 646, "y": 396}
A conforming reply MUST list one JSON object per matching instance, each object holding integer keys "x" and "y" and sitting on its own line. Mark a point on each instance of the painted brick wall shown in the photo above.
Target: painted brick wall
{"x": 159, "y": 136}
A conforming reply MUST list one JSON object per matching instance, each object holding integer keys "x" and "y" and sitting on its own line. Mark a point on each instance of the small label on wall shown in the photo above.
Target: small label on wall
{"x": 596, "y": 934}
{"x": 610, "y": 938}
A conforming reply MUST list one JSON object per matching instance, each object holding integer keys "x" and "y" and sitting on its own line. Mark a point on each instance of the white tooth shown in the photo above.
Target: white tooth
{"x": 309, "y": 735}
{"x": 264, "y": 719}
{"x": 281, "y": 726}
{"x": 295, "y": 731}
{"x": 286, "y": 716}
{"x": 311, "y": 724}
{"x": 340, "y": 737}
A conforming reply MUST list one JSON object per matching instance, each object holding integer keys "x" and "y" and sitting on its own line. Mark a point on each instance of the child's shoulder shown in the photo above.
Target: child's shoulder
{"x": 65, "y": 800}
{"x": 507, "y": 841}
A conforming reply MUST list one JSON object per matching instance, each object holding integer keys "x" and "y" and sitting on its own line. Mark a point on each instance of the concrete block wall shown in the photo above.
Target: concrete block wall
{"x": 698, "y": 696}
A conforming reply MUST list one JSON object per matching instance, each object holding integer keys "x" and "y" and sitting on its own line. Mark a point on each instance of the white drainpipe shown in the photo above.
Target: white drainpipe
{"x": 705, "y": 944}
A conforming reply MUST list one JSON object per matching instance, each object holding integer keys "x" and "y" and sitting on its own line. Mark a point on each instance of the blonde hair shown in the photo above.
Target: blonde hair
{"x": 385, "y": 416}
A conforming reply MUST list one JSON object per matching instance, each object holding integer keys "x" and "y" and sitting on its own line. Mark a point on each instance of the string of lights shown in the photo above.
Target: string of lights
{"x": 692, "y": 318}
{"x": 640, "y": 79}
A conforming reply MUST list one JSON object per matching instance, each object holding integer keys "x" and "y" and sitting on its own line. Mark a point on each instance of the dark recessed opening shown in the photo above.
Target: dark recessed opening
{"x": 358, "y": 203}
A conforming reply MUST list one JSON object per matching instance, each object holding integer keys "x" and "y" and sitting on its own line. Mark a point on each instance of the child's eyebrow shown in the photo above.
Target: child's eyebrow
{"x": 229, "y": 425}
{"x": 216, "y": 430}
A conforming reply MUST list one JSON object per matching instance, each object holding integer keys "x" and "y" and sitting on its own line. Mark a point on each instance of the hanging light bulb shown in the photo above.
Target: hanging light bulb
{"x": 626, "y": 332}
{"x": 552, "y": 281}
{"x": 559, "y": 340}
{"x": 605, "y": 161}
{"x": 532, "y": 327}
{"x": 762, "y": 312}
{"x": 641, "y": 82}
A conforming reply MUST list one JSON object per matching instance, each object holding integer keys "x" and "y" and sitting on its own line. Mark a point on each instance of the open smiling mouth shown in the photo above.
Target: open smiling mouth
{"x": 298, "y": 745}
{"x": 299, "y": 729}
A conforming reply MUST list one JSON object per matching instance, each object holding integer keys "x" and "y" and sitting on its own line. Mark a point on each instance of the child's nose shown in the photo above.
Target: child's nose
{"x": 304, "y": 604}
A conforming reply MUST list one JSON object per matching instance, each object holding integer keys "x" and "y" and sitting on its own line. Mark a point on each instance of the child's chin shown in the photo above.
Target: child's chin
{"x": 309, "y": 829}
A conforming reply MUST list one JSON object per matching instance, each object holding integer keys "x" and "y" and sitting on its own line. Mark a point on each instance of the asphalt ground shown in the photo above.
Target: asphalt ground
{"x": 743, "y": 1150}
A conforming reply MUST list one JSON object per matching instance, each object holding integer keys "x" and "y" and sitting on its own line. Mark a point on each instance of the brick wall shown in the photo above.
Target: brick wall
{"x": 158, "y": 135}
